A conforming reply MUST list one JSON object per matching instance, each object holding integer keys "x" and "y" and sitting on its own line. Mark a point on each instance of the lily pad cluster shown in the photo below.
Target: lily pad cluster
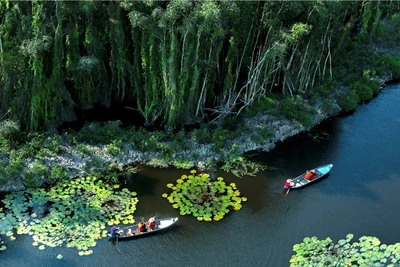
{"x": 205, "y": 199}
{"x": 367, "y": 251}
{"x": 74, "y": 212}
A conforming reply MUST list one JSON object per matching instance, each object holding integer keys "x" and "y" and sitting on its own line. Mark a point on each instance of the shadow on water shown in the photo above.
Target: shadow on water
{"x": 143, "y": 183}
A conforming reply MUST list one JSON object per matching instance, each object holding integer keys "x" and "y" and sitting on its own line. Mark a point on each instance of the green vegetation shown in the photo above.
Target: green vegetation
{"x": 368, "y": 251}
{"x": 75, "y": 213}
{"x": 295, "y": 109}
{"x": 394, "y": 65}
{"x": 261, "y": 105}
{"x": 180, "y": 62}
{"x": 348, "y": 101}
{"x": 242, "y": 167}
{"x": 203, "y": 198}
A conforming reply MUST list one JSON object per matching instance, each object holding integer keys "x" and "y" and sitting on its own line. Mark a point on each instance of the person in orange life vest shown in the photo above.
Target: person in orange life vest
{"x": 152, "y": 223}
{"x": 141, "y": 227}
{"x": 310, "y": 175}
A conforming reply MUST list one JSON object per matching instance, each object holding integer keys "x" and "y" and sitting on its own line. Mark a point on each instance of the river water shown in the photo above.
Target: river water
{"x": 360, "y": 196}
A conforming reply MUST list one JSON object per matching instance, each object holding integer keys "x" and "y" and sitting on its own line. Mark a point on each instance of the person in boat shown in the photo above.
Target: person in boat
{"x": 141, "y": 227}
{"x": 130, "y": 232}
{"x": 152, "y": 223}
{"x": 288, "y": 183}
{"x": 115, "y": 231}
{"x": 310, "y": 175}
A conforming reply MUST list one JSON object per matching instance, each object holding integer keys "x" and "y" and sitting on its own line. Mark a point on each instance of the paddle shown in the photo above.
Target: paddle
{"x": 287, "y": 192}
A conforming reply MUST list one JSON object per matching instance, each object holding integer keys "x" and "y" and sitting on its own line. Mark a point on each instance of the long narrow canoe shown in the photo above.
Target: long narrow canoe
{"x": 161, "y": 224}
{"x": 320, "y": 172}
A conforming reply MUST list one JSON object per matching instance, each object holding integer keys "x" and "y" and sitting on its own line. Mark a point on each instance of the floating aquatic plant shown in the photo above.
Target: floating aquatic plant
{"x": 2, "y": 246}
{"x": 205, "y": 199}
{"x": 367, "y": 251}
{"x": 74, "y": 212}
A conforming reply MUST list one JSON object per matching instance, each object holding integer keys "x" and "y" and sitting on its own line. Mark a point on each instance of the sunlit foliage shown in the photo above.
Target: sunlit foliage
{"x": 75, "y": 213}
{"x": 203, "y": 198}
{"x": 367, "y": 251}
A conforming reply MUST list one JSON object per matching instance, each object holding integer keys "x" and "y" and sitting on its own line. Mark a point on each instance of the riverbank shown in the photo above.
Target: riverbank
{"x": 66, "y": 156}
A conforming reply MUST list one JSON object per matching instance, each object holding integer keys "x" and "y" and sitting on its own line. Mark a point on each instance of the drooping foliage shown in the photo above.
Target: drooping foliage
{"x": 177, "y": 62}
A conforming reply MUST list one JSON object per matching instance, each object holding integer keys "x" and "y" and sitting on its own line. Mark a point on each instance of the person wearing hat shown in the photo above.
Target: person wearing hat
{"x": 152, "y": 223}
{"x": 141, "y": 227}
{"x": 115, "y": 231}
{"x": 288, "y": 183}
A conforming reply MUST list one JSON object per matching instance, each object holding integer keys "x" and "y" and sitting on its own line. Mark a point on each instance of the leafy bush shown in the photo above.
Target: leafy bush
{"x": 328, "y": 105}
{"x": 38, "y": 169}
{"x": 266, "y": 133}
{"x": 100, "y": 133}
{"x": 387, "y": 30}
{"x": 84, "y": 149}
{"x": 114, "y": 148}
{"x": 294, "y": 108}
{"x": 264, "y": 103}
{"x": 182, "y": 163}
{"x": 57, "y": 173}
{"x": 394, "y": 64}
{"x": 348, "y": 101}
{"x": 363, "y": 91}
{"x": 219, "y": 138}
{"x": 10, "y": 134}
{"x": 203, "y": 135}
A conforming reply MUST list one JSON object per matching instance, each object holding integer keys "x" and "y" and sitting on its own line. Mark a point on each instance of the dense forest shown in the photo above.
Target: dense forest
{"x": 172, "y": 63}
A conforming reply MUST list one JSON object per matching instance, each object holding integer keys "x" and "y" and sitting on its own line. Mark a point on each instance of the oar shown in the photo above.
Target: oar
{"x": 287, "y": 192}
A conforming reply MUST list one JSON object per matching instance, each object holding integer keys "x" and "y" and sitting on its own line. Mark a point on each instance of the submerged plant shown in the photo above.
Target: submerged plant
{"x": 205, "y": 199}
{"x": 75, "y": 212}
{"x": 240, "y": 166}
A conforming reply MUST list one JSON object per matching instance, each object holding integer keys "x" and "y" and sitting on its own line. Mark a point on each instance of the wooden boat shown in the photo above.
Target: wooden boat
{"x": 301, "y": 181}
{"x": 161, "y": 224}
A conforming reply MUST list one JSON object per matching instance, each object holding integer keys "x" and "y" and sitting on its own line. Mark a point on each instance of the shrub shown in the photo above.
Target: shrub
{"x": 203, "y": 135}
{"x": 99, "y": 133}
{"x": 219, "y": 137}
{"x": 264, "y": 103}
{"x": 363, "y": 91}
{"x": 348, "y": 101}
{"x": 394, "y": 64}
{"x": 84, "y": 149}
{"x": 328, "y": 105}
{"x": 57, "y": 173}
{"x": 114, "y": 148}
{"x": 294, "y": 108}
{"x": 38, "y": 169}
{"x": 182, "y": 163}
{"x": 10, "y": 132}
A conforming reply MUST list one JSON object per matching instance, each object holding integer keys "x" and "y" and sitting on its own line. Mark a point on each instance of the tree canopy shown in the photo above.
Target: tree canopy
{"x": 178, "y": 62}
